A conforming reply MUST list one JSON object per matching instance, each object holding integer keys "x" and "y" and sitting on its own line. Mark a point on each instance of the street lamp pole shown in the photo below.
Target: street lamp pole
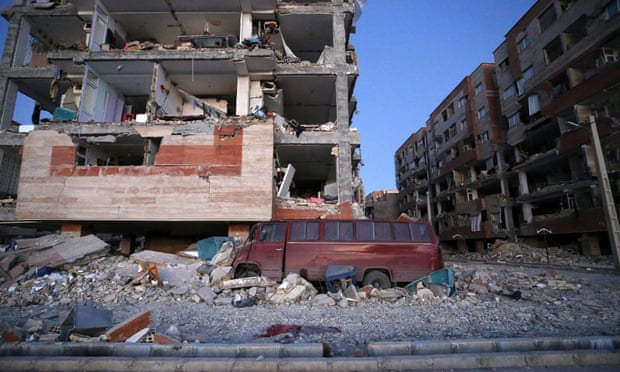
{"x": 609, "y": 207}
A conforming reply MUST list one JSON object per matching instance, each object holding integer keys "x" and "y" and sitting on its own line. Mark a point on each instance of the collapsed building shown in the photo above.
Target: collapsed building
{"x": 174, "y": 120}
{"x": 510, "y": 153}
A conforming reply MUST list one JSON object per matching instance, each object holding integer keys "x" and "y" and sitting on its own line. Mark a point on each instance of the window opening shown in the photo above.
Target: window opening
{"x": 523, "y": 43}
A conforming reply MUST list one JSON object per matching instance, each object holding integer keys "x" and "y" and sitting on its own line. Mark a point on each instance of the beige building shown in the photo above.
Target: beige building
{"x": 177, "y": 120}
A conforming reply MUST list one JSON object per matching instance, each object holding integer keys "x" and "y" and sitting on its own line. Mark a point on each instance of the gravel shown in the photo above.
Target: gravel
{"x": 554, "y": 301}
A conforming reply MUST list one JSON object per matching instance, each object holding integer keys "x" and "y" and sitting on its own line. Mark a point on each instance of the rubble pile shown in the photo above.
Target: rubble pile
{"x": 509, "y": 283}
{"x": 155, "y": 280}
{"x": 150, "y": 276}
{"x": 507, "y": 252}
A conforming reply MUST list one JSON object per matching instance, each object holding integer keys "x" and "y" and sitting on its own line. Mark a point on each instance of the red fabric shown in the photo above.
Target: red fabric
{"x": 278, "y": 329}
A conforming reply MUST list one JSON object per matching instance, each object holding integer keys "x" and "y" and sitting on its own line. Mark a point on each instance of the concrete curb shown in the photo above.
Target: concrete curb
{"x": 415, "y": 355}
{"x": 493, "y": 345}
{"x": 142, "y": 350}
{"x": 394, "y": 363}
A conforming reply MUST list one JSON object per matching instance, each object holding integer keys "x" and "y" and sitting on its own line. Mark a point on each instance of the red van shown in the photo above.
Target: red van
{"x": 382, "y": 252}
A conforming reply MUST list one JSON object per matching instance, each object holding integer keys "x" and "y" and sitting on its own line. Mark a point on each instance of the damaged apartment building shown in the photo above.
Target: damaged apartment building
{"x": 510, "y": 153}
{"x": 174, "y": 120}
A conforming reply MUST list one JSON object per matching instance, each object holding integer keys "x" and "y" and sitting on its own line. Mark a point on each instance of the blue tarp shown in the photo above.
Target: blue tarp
{"x": 207, "y": 248}
{"x": 443, "y": 277}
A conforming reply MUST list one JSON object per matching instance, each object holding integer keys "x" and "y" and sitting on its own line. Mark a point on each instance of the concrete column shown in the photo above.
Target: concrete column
{"x": 527, "y": 212}
{"x": 22, "y": 52}
{"x": 15, "y": 48}
{"x": 523, "y": 186}
{"x": 461, "y": 245}
{"x": 240, "y": 231}
{"x": 245, "y": 26}
{"x": 71, "y": 230}
{"x": 524, "y": 189}
{"x": 8, "y": 99}
{"x": 243, "y": 95}
{"x": 344, "y": 161}
{"x": 345, "y": 180}
{"x": 590, "y": 245}
{"x": 126, "y": 244}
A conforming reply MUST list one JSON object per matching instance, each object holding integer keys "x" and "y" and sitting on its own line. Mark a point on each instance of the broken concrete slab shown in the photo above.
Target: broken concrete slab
{"x": 220, "y": 273}
{"x": 225, "y": 256}
{"x": 293, "y": 295}
{"x": 68, "y": 251}
{"x": 165, "y": 268}
{"x": 255, "y": 281}
{"x": 161, "y": 258}
{"x": 43, "y": 242}
{"x": 207, "y": 294}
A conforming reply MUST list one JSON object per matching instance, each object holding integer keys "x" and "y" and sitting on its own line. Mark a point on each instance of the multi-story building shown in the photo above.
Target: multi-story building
{"x": 411, "y": 164}
{"x": 179, "y": 119}
{"x": 509, "y": 154}
{"x": 558, "y": 66}
{"x": 466, "y": 138}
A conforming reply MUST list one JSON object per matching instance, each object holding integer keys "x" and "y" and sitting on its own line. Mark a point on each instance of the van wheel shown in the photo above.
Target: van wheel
{"x": 246, "y": 273}
{"x": 377, "y": 279}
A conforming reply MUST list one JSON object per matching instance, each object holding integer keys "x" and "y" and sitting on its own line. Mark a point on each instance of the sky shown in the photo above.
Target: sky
{"x": 411, "y": 54}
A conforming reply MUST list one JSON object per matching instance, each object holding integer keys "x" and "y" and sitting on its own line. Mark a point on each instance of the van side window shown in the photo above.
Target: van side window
{"x": 363, "y": 230}
{"x": 338, "y": 230}
{"x": 420, "y": 232}
{"x": 402, "y": 232}
{"x": 271, "y": 232}
{"x": 303, "y": 230}
{"x": 383, "y": 231}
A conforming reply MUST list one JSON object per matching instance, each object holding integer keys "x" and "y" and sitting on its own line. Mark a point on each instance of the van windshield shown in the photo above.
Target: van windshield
{"x": 250, "y": 237}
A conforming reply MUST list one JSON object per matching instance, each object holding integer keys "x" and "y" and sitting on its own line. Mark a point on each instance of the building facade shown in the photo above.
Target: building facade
{"x": 525, "y": 169}
{"x": 179, "y": 118}
{"x": 382, "y": 205}
{"x": 412, "y": 178}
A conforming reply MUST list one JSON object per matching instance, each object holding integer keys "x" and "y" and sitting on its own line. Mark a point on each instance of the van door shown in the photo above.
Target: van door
{"x": 268, "y": 250}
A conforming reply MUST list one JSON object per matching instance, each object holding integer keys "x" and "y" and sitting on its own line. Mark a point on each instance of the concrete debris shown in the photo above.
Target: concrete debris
{"x": 293, "y": 288}
{"x": 515, "y": 285}
{"x": 39, "y": 256}
{"x": 323, "y": 300}
{"x": 507, "y": 252}
{"x": 207, "y": 294}
{"x": 256, "y": 281}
